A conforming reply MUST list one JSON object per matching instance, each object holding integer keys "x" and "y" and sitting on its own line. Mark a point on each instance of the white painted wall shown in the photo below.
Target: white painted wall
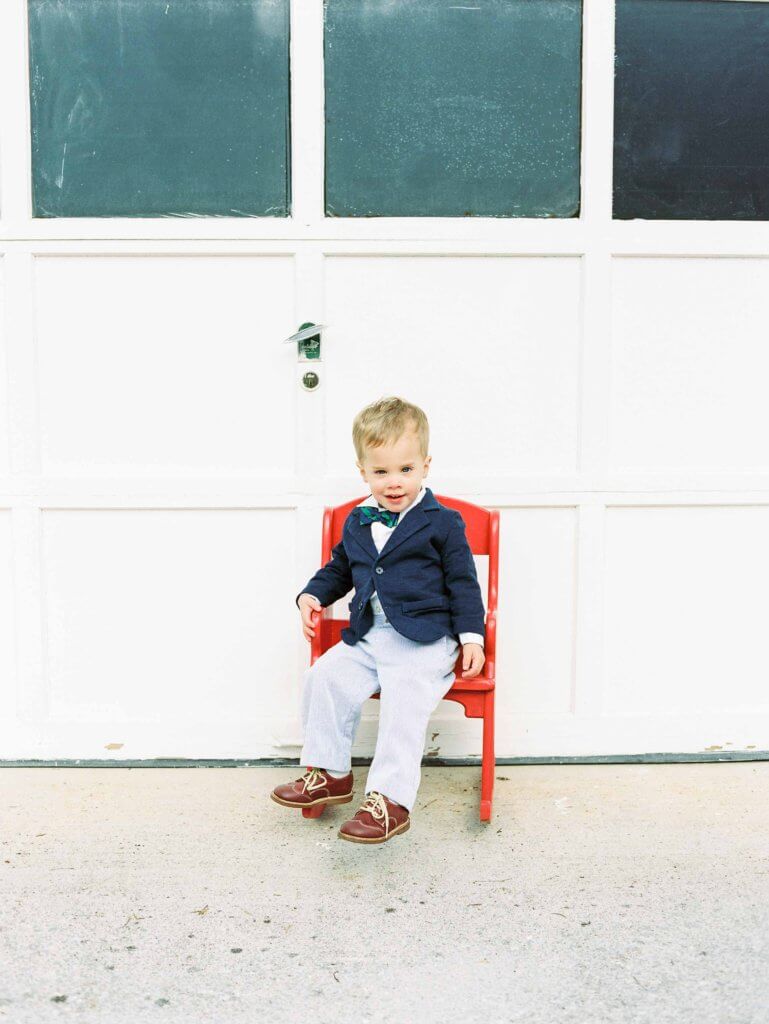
{"x": 163, "y": 474}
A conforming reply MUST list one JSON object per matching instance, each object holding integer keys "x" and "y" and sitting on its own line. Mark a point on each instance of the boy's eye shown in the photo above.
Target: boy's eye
{"x": 407, "y": 468}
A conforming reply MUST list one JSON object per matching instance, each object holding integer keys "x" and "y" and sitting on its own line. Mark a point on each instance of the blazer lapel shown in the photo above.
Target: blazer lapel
{"x": 362, "y": 534}
{"x": 415, "y": 520}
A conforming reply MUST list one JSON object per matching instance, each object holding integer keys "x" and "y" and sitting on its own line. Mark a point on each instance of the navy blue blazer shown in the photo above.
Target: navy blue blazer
{"x": 424, "y": 575}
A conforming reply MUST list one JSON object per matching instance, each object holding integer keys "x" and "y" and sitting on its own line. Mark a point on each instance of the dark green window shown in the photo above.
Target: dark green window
{"x": 160, "y": 108}
{"x": 452, "y": 108}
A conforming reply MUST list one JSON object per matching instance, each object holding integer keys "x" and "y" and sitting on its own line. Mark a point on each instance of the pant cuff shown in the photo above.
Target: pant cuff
{"x": 321, "y": 760}
{"x": 407, "y": 800}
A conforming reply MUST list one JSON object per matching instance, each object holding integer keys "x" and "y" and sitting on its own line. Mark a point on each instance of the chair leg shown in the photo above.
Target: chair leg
{"x": 313, "y": 812}
{"x": 487, "y": 761}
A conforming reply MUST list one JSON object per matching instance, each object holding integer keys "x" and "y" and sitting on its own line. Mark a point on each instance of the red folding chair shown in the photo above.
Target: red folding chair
{"x": 475, "y": 695}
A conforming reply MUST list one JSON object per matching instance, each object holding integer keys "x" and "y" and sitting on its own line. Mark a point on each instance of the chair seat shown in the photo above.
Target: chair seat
{"x": 478, "y": 683}
{"x": 330, "y": 632}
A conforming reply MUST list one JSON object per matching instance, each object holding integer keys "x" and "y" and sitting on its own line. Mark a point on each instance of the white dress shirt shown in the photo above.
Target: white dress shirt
{"x": 380, "y": 533}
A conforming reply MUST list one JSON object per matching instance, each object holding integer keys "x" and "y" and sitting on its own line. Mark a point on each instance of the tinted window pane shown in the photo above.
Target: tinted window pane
{"x": 155, "y": 107}
{"x": 441, "y": 109}
{"x": 691, "y": 110}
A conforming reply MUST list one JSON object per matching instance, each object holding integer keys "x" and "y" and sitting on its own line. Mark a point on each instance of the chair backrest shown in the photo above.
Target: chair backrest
{"x": 482, "y": 531}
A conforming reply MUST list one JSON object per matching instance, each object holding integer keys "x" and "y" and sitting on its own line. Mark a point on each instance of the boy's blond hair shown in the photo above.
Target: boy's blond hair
{"x": 386, "y": 420}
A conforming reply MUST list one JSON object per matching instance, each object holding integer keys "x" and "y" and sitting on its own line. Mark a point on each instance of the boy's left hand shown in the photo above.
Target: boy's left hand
{"x": 472, "y": 660}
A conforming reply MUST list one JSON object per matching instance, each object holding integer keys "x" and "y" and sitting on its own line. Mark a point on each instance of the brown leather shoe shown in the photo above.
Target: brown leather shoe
{"x": 315, "y": 787}
{"x": 378, "y": 820}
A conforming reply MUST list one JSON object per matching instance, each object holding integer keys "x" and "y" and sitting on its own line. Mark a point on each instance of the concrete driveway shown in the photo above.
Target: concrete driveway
{"x": 598, "y": 893}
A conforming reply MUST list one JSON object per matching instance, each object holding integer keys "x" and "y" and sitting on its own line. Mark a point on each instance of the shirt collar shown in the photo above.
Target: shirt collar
{"x": 371, "y": 500}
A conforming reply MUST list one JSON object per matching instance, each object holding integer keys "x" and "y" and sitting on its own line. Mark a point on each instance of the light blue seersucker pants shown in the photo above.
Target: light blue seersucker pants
{"x": 412, "y": 677}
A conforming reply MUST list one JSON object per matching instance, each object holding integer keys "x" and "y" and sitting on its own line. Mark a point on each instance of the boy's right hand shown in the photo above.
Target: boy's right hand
{"x": 310, "y": 609}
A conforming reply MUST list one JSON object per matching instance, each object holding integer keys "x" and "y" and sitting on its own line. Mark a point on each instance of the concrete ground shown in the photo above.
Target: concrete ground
{"x": 598, "y": 893}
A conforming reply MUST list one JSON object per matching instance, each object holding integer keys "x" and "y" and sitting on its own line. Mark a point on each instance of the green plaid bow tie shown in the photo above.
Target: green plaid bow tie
{"x": 369, "y": 514}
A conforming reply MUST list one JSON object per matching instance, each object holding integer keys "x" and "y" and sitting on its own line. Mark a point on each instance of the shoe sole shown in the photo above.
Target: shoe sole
{"x": 359, "y": 839}
{"x": 345, "y": 799}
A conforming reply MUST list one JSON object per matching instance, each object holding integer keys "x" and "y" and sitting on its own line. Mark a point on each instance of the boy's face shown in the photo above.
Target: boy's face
{"x": 395, "y": 472}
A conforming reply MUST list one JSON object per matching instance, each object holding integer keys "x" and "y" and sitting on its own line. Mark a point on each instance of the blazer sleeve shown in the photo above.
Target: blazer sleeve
{"x": 331, "y": 582}
{"x": 467, "y": 612}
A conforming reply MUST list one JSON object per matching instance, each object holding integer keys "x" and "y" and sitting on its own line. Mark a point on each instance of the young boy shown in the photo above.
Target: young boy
{"x": 416, "y": 591}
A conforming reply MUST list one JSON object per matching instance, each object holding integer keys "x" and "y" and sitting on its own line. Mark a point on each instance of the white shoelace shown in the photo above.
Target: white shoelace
{"x": 313, "y": 779}
{"x": 375, "y": 805}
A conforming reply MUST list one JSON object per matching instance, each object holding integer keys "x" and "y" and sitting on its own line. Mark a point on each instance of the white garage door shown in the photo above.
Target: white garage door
{"x": 163, "y": 471}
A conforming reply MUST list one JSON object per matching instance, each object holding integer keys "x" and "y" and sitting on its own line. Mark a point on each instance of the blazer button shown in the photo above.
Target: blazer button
{"x": 379, "y": 568}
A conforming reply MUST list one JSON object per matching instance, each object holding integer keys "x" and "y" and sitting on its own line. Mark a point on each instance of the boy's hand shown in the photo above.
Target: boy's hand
{"x": 472, "y": 660}
{"x": 308, "y": 607}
